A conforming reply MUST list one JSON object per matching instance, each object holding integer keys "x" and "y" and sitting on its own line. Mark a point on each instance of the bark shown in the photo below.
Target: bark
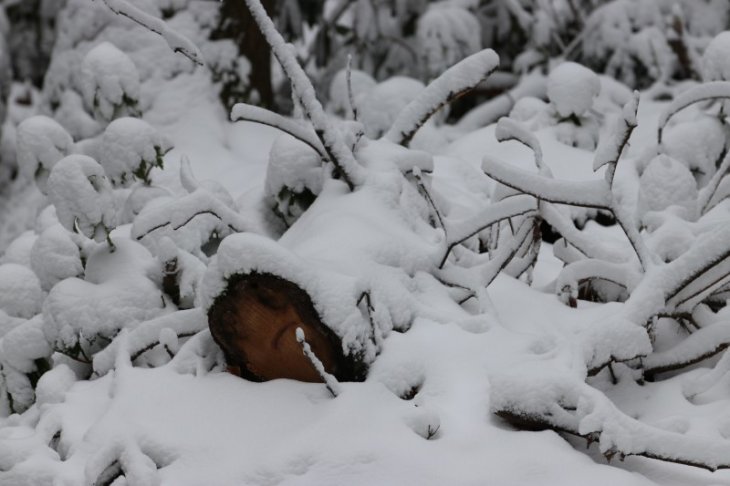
{"x": 237, "y": 23}
{"x": 255, "y": 321}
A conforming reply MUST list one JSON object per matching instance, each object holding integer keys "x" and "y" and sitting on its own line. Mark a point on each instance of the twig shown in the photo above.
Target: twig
{"x": 177, "y": 42}
{"x": 329, "y": 380}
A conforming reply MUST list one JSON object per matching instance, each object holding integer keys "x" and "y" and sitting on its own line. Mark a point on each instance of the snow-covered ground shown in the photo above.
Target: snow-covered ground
{"x": 137, "y": 393}
{"x": 185, "y": 426}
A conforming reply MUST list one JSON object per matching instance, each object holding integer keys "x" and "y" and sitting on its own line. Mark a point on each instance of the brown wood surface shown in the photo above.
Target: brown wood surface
{"x": 255, "y": 322}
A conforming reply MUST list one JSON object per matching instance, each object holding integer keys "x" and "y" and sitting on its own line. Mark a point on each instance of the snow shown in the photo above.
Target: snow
{"x": 706, "y": 91}
{"x": 54, "y": 257}
{"x": 715, "y": 66}
{"x": 446, "y": 34}
{"x": 588, "y": 193}
{"x": 81, "y": 193}
{"x": 20, "y": 291}
{"x": 177, "y": 42}
{"x": 41, "y": 142}
{"x": 699, "y": 145}
{"x": 571, "y": 89}
{"x": 361, "y": 84}
{"x": 109, "y": 80}
{"x": 667, "y": 182}
{"x": 438, "y": 365}
{"x": 380, "y": 106}
{"x": 458, "y": 79}
{"x": 334, "y": 296}
{"x": 52, "y": 386}
{"x": 130, "y": 148}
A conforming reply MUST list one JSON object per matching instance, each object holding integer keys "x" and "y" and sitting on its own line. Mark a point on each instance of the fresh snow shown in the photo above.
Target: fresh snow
{"x": 438, "y": 369}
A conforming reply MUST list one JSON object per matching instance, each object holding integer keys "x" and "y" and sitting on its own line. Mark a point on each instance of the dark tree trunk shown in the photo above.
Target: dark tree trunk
{"x": 237, "y": 24}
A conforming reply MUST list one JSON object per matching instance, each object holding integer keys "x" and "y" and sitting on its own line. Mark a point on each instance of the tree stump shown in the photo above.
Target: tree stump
{"x": 255, "y": 321}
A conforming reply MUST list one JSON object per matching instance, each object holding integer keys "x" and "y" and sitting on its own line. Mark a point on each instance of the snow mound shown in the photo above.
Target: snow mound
{"x": 667, "y": 182}
{"x": 130, "y": 148}
{"x": 572, "y": 89}
{"x": 54, "y": 257}
{"x": 109, "y": 80}
{"x": 715, "y": 60}
{"x": 82, "y": 195}
{"x": 20, "y": 291}
{"x": 41, "y": 142}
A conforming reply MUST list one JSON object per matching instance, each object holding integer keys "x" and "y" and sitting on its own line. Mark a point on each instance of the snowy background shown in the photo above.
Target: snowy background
{"x": 552, "y": 255}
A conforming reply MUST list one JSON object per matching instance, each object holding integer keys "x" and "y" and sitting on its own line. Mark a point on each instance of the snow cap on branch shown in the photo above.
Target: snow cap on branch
{"x": 82, "y": 195}
{"x": 41, "y": 142}
{"x": 572, "y": 88}
{"x": 109, "y": 81}
{"x": 130, "y": 148}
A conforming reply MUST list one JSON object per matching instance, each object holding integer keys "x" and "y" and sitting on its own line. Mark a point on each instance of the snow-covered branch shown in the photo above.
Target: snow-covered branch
{"x": 177, "y": 42}
{"x": 714, "y": 90}
{"x": 591, "y": 194}
{"x": 562, "y": 405}
{"x": 338, "y": 152}
{"x": 457, "y": 80}
{"x": 510, "y": 207}
{"x": 698, "y": 346}
{"x": 246, "y": 112}
{"x": 509, "y": 129}
{"x": 610, "y": 148}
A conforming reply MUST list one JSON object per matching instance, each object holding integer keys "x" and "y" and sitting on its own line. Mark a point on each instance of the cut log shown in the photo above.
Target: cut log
{"x": 255, "y": 321}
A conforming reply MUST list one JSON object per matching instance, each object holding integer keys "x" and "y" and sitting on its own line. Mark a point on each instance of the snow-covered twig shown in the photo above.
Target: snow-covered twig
{"x": 707, "y": 193}
{"x": 329, "y": 380}
{"x": 583, "y": 242}
{"x": 714, "y": 90}
{"x": 177, "y": 42}
{"x": 510, "y": 207}
{"x": 457, "y": 80}
{"x": 578, "y": 409}
{"x": 426, "y": 193}
{"x": 700, "y": 345}
{"x": 338, "y": 152}
{"x": 147, "y": 335}
{"x": 534, "y": 84}
{"x": 610, "y": 148}
{"x": 507, "y": 253}
{"x": 573, "y": 274}
{"x": 698, "y": 272}
{"x": 246, "y": 112}
{"x": 350, "y": 94}
{"x": 509, "y": 129}
{"x": 591, "y": 194}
